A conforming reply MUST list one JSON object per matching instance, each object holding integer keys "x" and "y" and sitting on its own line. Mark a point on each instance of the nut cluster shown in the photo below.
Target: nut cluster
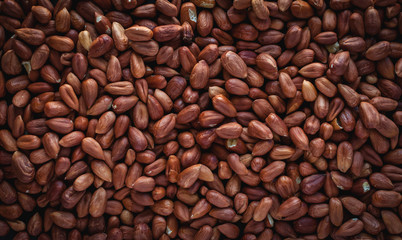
{"x": 201, "y": 119}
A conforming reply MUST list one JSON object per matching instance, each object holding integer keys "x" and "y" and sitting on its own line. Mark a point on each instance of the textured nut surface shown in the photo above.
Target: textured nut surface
{"x": 200, "y": 119}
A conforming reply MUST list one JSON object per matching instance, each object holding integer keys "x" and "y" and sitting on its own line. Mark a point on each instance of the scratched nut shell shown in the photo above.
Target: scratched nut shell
{"x": 64, "y": 220}
{"x": 31, "y": 36}
{"x": 92, "y": 147}
{"x": 100, "y": 46}
{"x": 369, "y": 115}
{"x": 23, "y": 167}
{"x": 138, "y": 33}
{"x": 166, "y": 32}
{"x": 234, "y": 64}
{"x": 344, "y": 156}
{"x": 200, "y": 75}
{"x": 271, "y": 171}
{"x": 229, "y": 130}
{"x": 259, "y": 130}
{"x": 378, "y": 51}
{"x": 60, "y": 43}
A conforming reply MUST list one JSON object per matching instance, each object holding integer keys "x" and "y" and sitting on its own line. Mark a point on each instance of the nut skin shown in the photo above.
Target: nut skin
{"x": 205, "y": 119}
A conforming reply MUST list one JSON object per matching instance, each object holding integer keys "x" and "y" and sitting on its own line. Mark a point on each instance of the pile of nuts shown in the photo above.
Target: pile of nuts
{"x": 201, "y": 119}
